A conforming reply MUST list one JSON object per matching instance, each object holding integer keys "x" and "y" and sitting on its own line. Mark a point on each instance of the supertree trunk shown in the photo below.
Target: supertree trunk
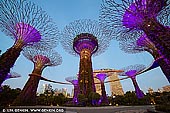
{"x": 131, "y": 71}
{"x": 86, "y": 80}
{"x": 76, "y": 89}
{"x": 159, "y": 35}
{"x": 164, "y": 64}
{"x": 27, "y": 96}
{"x": 104, "y": 97}
{"x": 139, "y": 93}
{"x": 23, "y": 22}
{"x": 7, "y": 61}
{"x": 41, "y": 59}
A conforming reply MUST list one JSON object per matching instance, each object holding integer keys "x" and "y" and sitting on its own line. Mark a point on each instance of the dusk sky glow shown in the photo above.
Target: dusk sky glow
{"x": 63, "y": 12}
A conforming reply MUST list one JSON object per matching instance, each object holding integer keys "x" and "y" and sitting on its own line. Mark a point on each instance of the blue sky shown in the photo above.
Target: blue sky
{"x": 63, "y": 12}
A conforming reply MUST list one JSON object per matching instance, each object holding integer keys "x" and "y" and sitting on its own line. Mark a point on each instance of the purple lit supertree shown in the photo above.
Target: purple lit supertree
{"x": 41, "y": 60}
{"x": 130, "y": 18}
{"x": 144, "y": 44}
{"x": 139, "y": 45}
{"x": 27, "y": 24}
{"x": 131, "y": 71}
{"x": 11, "y": 75}
{"x": 102, "y": 77}
{"x": 85, "y": 38}
{"x": 74, "y": 81}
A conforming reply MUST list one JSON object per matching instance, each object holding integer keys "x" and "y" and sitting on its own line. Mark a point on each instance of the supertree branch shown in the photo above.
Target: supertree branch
{"x": 139, "y": 45}
{"x": 41, "y": 59}
{"x": 127, "y": 16}
{"x": 111, "y": 15}
{"x": 84, "y": 26}
{"x": 148, "y": 16}
{"x": 131, "y": 71}
{"x": 74, "y": 81}
{"x": 144, "y": 44}
{"x": 28, "y": 25}
{"x": 85, "y": 38}
{"x": 113, "y": 12}
{"x": 13, "y": 75}
{"x": 26, "y": 21}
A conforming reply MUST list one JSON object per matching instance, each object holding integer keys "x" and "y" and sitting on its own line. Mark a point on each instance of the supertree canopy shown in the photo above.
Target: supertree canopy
{"x": 85, "y": 38}
{"x": 27, "y": 24}
{"x": 13, "y": 75}
{"x": 131, "y": 15}
{"x": 136, "y": 16}
{"x": 41, "y": 59}
{"x": 74, "y": 81}
{"x": 131, "y": 71}
{"x": 144, "y": 44}
{"x": 152, "y": 17}
{"x": 102, "y": 77}
{"x": 139, "y": 45}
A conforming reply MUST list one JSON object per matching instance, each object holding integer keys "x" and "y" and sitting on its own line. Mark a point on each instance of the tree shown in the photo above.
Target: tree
{"x": 85, "y": 38}
{"x": 82, "y": 100}
{"x": 93, "y": 98}
{"x": 41, "y": 60}
{"x": 28, "y": 25}
{"x": 128, "y": 19}
{"x": 7, "y": 95}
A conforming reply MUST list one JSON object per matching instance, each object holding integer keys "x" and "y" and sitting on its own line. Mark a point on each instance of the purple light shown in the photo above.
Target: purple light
{"x": 101, "y": 76}
{"x": 141, "y": 40}
{"x": 8, "y": 76}
{"x": 74, "y": 82}
{"x": 12, "y": 75}
{"x": 138, "y": 12}
{"x": 131, "y": 73}
{"x": 139, "y": 93}
{"x": 41, "y": 60}
{"x": 85, "y": 41}
{"x": 27, "y": 33}
{"x": 131, "y": 18}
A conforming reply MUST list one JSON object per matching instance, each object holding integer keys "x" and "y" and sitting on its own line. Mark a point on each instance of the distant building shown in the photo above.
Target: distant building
{"x": 72, "y": 93}
{"x": 59, "y": 91}
{"x": 64, "y": 91}
{"x": 159, "y": 90}
{"x": 166, "y": 88}
{"x": 47, "y": 88}
{"x": 150, "y": 91}
{"x": 115, "y": 86}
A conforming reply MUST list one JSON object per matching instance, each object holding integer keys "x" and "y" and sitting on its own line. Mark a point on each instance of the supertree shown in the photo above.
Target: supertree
{"x": 131, "y": 71}
{"x": 85, "y": 38}
{"x": 102, "y": 77}
{"x": 144, "y": 44}
{"x": 11, "y": 75}
{"x": 27, "y": 24}
{"x": 130, "y": 18}
{"x": 41, "y": 60}
{"x": 74, "y": 81}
